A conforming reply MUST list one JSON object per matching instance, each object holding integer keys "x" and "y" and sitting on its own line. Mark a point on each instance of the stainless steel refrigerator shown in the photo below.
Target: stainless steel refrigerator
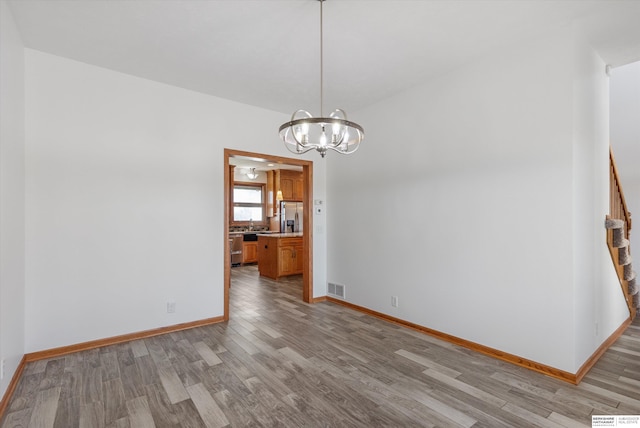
{"x": 290, "y": 216}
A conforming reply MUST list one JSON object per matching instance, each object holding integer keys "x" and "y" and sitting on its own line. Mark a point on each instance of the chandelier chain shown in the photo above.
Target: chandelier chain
{"x": 321, "y": 63}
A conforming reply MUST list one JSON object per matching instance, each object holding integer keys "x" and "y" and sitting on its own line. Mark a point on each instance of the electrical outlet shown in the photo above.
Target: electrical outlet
{"x": 394, "y": 301}
{"x": 171, "y": 307}
{"x": 2, "y": 369}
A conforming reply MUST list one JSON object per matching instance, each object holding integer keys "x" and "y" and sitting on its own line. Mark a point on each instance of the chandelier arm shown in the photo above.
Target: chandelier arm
{"x": 339, "y": 111}
{"x": 298, "y": 144}
{"x": 306, "y": 113}
{"x": 300, "y": 152}
{"x": 344, "y": 152}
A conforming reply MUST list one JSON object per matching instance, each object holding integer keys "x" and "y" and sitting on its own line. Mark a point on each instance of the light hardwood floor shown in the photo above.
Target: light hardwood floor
{"x": 281, "y": 362}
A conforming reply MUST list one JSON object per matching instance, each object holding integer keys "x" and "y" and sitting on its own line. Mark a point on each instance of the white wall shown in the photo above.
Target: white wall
{"x": 12, "y": 229}
{"x": 125, "y": 200}
{"x": 600, "y": 307}
{"x": 460, "y": 203}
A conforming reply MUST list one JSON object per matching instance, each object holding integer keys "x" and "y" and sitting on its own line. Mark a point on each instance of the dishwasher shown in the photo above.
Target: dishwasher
{"x": 235, "y": 246}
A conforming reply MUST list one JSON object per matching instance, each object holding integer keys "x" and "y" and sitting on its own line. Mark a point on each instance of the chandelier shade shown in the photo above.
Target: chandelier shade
{"x": 305, "y": 132}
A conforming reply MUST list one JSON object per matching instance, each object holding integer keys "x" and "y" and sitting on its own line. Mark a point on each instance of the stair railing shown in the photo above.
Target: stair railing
{"x": 618, "y": 210}
{"x": 617, "y": 204}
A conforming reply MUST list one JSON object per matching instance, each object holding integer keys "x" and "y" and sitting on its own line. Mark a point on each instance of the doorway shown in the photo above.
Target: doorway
{"x": 307, "y": 223}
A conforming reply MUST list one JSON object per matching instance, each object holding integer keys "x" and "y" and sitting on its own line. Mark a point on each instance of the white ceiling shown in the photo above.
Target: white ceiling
{"x": 245, "y": 163}
{"x": 266, "y": 52}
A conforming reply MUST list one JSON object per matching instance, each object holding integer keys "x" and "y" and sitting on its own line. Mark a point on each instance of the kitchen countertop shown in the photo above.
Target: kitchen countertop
{"x": 281, "y": 235}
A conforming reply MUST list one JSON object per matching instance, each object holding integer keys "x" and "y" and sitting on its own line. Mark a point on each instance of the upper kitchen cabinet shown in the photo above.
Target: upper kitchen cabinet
{"x": 291, "y": 183}
{"x": 271, "y": 194}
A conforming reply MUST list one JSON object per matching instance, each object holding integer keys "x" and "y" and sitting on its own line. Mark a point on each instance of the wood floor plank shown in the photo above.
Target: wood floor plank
{"x": 188, "y": 415}
{"x": 450, "y": 414}
{"x": 36, "y": 367}
{"x": 66, "y": 414}
{"x": 44, "y": 411}
{"x": 521, "y": 384}
{"x": 172, "y": 384}
{"x": 207, "y": 354}
{"x": 386, "y": 396}
{"x": 567, "y": 422}
{"x": 92, "y": 385}
{"x": 282, "y": 362}
{"x": 140, "y": 413}
{"x": 110, "y": 366}
{"x": 162, "y": 410}
{"x": 228, "y": 376}
{"x": 347, "y": 351}
{"x": 273, "y": 410}
{"x": 631, "y": 400}
{"x": 532, "y": 418}
{"x": 186, "y": 350}
{"x": 599, "y": 405}
{"x": 53, "y": 373}
{"x": 489, "y": 399}
{"x": 634, "y": 384}
{"x": 114, "y": 405}
{"x": 139, "y": 348}
{"x": 626, "y": 351}
{"x": 92, "y": 416}
{"x": 210, "y": 412}
{"x": 25, "y": 394}
{"x": 132, "y": 381}
{"x": 147, "y": 370}
{"x": 428, "y": 363}
{"x": 235, "y": 410}
{"x": 270, "y": 331}
{"x": 17, "y": 419}
{"x": 121, "y": 423}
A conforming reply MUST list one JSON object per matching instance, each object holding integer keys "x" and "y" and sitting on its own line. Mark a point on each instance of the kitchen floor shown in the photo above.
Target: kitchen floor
{"x": 250, "y": 290}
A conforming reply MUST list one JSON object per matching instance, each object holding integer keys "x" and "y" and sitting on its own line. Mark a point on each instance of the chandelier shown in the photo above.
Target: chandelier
{"x": 305, "y": 132}
{"x": 252, "y": 174}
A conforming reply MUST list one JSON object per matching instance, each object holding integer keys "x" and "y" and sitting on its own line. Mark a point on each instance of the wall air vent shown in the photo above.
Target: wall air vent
{"x": 336, "y": 290}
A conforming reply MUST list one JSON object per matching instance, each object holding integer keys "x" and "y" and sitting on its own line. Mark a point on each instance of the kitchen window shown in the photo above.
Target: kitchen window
{"x": 248, "y": 203}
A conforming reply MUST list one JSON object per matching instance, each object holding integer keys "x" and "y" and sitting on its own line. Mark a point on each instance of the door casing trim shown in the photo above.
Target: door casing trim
{"x": 307, "y": 223}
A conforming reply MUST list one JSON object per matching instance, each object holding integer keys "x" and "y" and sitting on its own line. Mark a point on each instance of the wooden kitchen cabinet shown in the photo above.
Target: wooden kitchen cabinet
{"x": 298, "y": 256}
{"x": 268, "y": 256}
{"x": 271, "y": 194}
{"x": 291, "y": 183}
{"x": 249, "y": 252}
{"x": 286, "y": 260}
{"x": 298, "y": 189}
{"x": 279, "y": 256}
